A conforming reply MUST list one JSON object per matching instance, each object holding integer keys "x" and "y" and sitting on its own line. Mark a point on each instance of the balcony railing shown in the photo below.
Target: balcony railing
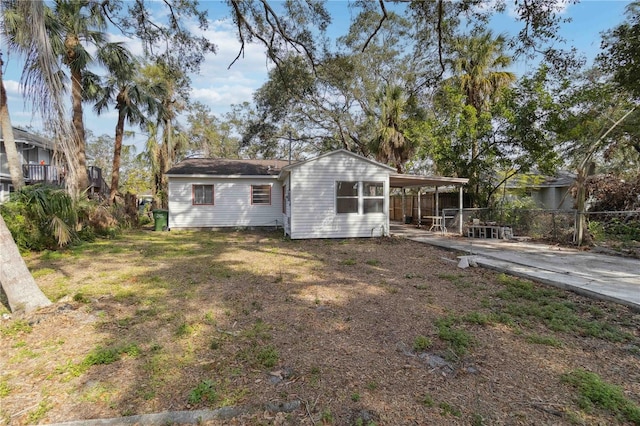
{"x": 39, "y": 173}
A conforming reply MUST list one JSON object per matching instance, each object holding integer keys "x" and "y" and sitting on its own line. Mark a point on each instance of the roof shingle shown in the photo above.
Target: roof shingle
{"x": 225, "y": 167}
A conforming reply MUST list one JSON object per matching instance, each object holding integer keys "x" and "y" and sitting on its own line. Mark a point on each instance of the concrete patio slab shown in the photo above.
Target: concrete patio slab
{"x": 596, "y": 275}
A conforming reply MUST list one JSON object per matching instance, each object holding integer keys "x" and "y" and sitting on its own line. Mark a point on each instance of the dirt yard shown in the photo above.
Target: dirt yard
{"x": 344, "y": 332}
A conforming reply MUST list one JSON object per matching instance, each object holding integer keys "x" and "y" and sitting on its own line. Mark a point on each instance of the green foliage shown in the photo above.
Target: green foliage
{"x": 44, "y": 217}
{"x": 267, "y": 356}
{"x": 597, "y": 231}
{"x": 16, "y": 327}
{"x": 205, "y": 391}
{"x": 109, "y": 355}
{"x": 81, "y": 298}
{"x": 326, "y": 417}
{"x": 621, "y": 51}
{"x": 479, "y": 318}
{"x": 594, "y": 392}
{"x": 449, "y": 409}
{"x": 38, "y": 414}
{"x": 5, "y": 389}
{"x": 427, "y": 401}
{"x": 459, "y": 340}
{"x": 46, "y": 212}
{"x": 355, "y": 397}
{"x": 528, "y": 302}
{"x": 544, "y": 340}
{"x": 421, "y": 343}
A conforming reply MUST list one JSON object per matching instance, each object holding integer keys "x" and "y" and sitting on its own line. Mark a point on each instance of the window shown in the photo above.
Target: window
{"x": 347, "y": 197}
{"x": 373, "y": 197}
{"x": 351, "y": 195}
{"x": 202, "y": 194}
{"x": 261, "y": 195}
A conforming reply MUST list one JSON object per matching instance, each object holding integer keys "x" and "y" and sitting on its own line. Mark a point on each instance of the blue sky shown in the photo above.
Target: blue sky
{"x": 220, "y": 87}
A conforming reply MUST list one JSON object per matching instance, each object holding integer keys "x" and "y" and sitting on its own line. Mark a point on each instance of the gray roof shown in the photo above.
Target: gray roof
{"x": 224, "y": 167}
{"x": 560, "y": 180}
{"x": 23, "y": 136}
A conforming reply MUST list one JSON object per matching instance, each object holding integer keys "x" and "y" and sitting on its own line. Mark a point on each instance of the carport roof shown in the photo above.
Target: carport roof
{"x": 417, "y": 181}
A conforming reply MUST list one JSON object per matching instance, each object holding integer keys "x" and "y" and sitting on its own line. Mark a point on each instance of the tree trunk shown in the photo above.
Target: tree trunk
{"x": 15, "y": 168}
{"x": 82, "y": 178}
{"x": 22, "y": 292}
{"x": 117, "y": 151}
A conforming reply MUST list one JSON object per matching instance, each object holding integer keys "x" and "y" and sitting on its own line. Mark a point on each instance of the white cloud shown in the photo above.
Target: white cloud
{"x": 219, "y": 85}
{"x": 13, "y": 88}
{"x": 133, "y": 45}
{"x": 220, "y": 98}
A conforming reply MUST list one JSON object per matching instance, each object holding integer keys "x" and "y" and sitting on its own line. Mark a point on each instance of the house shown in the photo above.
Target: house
{"x": 36, "y": 155}
{"x": 554, "y": 192}
{"x": 335, "y": 195}
{"x": 213, "y": 193}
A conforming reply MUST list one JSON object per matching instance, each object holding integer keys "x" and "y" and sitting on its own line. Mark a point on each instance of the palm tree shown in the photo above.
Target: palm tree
{"x": 391, "y": 144}
{"x": 15, "y": 170}
{"x": 24, "y": 27}
{"x": 164, "y": 150}
{"x": 81, "y": 22}
{"x": 133, "y": 98}
{"x": 478, "y": 65}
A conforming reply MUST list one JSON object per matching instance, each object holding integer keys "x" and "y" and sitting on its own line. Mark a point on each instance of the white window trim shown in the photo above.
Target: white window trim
{"x": 360, "y": 196}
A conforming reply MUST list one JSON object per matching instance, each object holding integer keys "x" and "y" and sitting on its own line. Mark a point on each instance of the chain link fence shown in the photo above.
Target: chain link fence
{"x": 603, "y": 228}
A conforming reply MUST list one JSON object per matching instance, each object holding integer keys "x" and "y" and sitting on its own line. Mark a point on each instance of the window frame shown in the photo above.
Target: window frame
{"x": 253, "y": 203}
{"x": 360, "y": 196}
{"x": 194, "y": 201}
{"x": 366, "y": 197}
{"x": 348, "y": 197}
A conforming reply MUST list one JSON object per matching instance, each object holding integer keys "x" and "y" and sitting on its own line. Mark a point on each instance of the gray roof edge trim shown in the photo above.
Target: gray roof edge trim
{"x": 445, "y": 179}
{"x": 199, "y": 176}
{"x": 342, "y": 150}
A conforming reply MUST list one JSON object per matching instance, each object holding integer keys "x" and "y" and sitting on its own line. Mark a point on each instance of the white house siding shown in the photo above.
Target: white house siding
{"x": 232, "y": 203}
{"x": 313, "y": 193}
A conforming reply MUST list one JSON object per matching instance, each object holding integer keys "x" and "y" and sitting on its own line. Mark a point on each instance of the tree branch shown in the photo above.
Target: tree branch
{"x": 382, "y": 19}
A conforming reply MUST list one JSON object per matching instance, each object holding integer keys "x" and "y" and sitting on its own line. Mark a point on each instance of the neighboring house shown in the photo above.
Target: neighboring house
{"x": 36, "y": 154}
{"x": 336, "y": 195}
{"x": 554, "y": 193}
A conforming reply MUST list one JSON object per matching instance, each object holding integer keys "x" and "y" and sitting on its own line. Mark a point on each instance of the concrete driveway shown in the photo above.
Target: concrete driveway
{"x": 595, "y": 275}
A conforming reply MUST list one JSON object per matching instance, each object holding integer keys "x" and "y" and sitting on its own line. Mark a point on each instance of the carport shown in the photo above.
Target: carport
{"x": 403, "y": 181}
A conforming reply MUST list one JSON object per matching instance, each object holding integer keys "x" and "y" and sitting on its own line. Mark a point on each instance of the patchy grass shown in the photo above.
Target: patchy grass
{"x": 157, "y": 321}
{"x": 16, "y": 328}
{"x": 594, "y": 392}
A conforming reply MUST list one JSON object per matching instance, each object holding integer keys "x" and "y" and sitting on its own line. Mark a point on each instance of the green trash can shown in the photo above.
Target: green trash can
{"x": 161, "y": 219}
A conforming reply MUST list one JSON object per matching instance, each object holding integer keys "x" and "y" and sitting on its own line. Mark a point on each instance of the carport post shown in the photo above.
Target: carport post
{"x": 404, "y": 213}
{"x": 461, "y": 205}
{"x": 419, "y": 210}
